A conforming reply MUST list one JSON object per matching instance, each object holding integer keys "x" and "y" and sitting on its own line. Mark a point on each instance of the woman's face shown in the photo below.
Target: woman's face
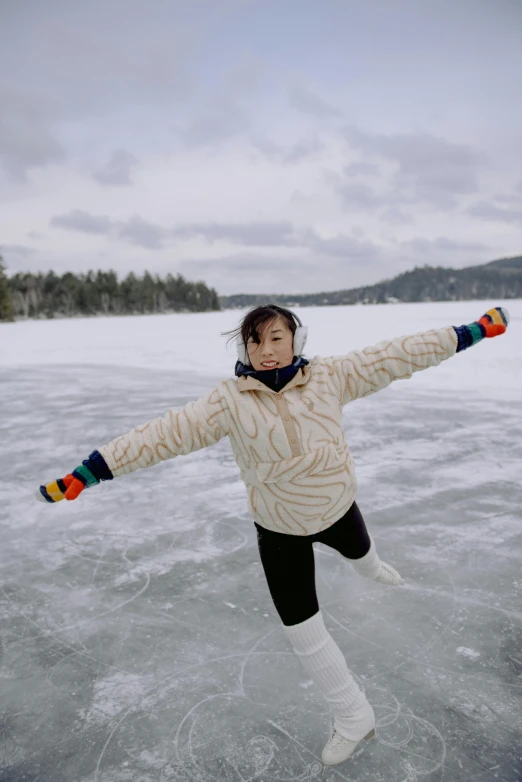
{"x": 276, "y": 349}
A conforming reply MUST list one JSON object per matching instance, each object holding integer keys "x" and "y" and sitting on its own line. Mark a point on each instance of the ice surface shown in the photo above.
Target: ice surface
{"x": 139, "y": 641}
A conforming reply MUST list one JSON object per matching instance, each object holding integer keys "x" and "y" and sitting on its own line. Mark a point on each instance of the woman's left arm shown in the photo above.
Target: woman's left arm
{"x": 363, "y": 372}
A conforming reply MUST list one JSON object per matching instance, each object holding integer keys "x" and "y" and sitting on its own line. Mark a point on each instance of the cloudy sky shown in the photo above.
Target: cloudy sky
{"x": 260, "y": 145}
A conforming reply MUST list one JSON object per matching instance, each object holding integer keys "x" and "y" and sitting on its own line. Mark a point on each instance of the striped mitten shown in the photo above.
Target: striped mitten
{"x": 89, "y": 473}
{"x": 491, "y": 324}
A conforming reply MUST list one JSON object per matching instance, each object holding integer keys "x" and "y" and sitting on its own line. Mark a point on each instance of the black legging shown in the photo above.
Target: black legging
{"x": 289, "y": 565}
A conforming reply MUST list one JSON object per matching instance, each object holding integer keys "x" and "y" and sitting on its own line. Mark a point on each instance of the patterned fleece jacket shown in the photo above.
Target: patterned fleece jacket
{"x": 289, "y": 445}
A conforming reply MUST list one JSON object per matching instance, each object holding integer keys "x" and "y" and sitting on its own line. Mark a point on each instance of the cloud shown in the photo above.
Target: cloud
{"x": 152, "y": 236}
{"x": 341, "y": 246}
{"x": 27, "y": 139}
{"x": 135, "y": 230}
{"x": 245, "y": 262}
{"x": 515, "y": 197}
{"x": 276, "y": 234}
{"x": 293, "y": 153}
{"x": 217, "y": 123}
{"x": 79, "y": 220}
{"x": 246, "y": 273}
{"x": 93, "y": 59}
{"x": 299, "y": 197}
{"x": 117, "y": 170}
{"x": 280, "y": 234}
{"x": 16, "y": 251}
{"x": 249, "y": 272}
{"x": 246, "y": 76}
{"x": 360, "y": 196}
{"x": 357, "y": 196}
{"x": 508, "y": 198}
{"x": 499, "y": 214}
{"x": 304, "y": 272}
{"x": 363, "y": 198}
{"x": 443, "y": 244}
{"x": 430, "y": 169}
{"x": 360, "y": 167}
{"x": 309, "y": 102}
{"x": 268, "y": 234}
{"x": 396, "y": 215}
{"x": 142, "y": 233}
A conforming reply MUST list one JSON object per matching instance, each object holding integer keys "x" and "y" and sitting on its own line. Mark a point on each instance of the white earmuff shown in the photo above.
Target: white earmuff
{"x": 300, "y": 336}
{"x": 242, "y": 352}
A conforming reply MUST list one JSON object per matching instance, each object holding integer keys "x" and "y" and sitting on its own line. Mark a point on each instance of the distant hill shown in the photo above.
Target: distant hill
{"x": 504, "y": 263}
{"x": 501, "y": 279}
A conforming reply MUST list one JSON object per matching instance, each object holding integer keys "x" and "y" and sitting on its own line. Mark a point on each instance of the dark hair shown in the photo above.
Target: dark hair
{"x": 256, "y": 318}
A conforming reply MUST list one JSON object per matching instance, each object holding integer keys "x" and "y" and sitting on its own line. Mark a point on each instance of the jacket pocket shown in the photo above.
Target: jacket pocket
{"x": 323, "y": 460}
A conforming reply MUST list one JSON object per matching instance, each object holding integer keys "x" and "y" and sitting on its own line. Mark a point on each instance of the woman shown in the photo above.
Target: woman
{"x": 283, "y": 415}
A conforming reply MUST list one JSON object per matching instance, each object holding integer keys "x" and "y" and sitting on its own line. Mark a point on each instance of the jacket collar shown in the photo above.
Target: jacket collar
{"x": 247, "y": 380}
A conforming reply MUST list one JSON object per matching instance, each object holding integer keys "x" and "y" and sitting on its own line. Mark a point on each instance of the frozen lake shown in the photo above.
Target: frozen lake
{"x": 139, "y": 641}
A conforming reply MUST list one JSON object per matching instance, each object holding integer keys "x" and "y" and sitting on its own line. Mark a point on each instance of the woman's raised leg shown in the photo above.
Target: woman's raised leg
{"x": 350, "y": 537}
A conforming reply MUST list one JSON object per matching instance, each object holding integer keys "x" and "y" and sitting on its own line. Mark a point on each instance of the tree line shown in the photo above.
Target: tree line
{"x": 50, "y": 295}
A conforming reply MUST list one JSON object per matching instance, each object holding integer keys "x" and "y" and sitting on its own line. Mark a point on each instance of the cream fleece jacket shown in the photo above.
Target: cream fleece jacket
{"x": 289, "y": 445}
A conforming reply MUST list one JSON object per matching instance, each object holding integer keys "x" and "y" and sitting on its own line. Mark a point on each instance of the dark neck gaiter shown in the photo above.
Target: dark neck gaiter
{"x": 276, "y": 379}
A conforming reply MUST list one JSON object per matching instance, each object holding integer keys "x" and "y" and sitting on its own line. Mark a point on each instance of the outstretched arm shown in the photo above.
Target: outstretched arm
{"x": 363, "y": 372}
{"x": 199, "y": 424}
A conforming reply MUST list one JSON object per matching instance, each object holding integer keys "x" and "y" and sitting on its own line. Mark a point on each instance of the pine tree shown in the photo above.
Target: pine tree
{"x": 6, "y": 302}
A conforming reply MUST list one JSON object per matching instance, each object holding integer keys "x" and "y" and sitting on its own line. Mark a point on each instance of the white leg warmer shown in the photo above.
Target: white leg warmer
{"x": 325, "y": 663}
{"x": 371, "y": 566}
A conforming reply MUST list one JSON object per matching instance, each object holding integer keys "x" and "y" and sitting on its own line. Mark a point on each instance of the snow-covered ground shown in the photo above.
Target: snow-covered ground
{"x": 139, "y": 641}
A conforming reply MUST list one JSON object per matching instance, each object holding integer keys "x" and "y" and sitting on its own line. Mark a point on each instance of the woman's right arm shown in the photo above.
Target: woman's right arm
{"x": 197, "y": 425}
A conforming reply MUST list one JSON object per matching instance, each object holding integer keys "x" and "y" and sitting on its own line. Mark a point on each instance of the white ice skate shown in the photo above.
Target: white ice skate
{"x": 388, "y": 575}
{"x": 339, "y": 749}
{"x": 371, "y": 566}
